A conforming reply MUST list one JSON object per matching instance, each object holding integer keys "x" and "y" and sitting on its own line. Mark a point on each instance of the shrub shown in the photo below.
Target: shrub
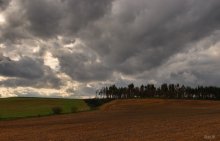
{"x": 74, "y": 109}
{"x": 57, "y": 110}
{"x": 93, "y": 103}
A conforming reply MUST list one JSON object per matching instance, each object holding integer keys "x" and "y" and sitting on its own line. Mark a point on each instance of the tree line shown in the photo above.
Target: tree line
{"x": 172, "y": 91}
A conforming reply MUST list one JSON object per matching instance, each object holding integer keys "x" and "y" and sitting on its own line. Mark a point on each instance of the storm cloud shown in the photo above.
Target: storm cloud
{"x": 49, "y": 18}
{"x": 158, "y": 30}
{"x": 4, "y": 4}
{"x": 27, "y": 72}
{"x": 92, "y": 43}
{"x": 25, "y": 68}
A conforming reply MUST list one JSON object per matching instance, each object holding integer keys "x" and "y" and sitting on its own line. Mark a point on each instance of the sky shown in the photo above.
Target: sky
{"x": 71, "y": 48}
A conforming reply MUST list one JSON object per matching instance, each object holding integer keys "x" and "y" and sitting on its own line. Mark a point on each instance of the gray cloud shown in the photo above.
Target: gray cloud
{"x": 82, "y": 67}
{"x": 194, "y": 66}
{"x": 24, "y": 68}
{"x": 49, "y": 81}
{"x": 135, "y": 40}
{"x": 49, "y": 18}
{"x": 152, "y": 33}
{"x": 4, "y": 4}
{"x": 27, "y": 72}
{"x": 44, "y": 17}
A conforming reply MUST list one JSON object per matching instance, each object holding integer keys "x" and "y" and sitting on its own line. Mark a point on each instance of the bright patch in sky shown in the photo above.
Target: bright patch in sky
{"x": 2, "y": 19}
{"x": 52, "y": 62}
{"x": 215, "y": 51}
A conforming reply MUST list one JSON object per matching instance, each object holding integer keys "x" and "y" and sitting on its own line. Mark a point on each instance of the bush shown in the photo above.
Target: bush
{"x": 57, "y": 110}
{"x": 93, "y": 103}
{"x": 74, "y": 109}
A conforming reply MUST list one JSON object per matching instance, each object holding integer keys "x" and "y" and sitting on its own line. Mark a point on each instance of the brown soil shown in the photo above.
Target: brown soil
{"x": 124, "y": 120}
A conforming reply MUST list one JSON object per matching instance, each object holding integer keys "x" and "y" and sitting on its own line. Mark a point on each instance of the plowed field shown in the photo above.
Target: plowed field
{"x": 124, "y": 120}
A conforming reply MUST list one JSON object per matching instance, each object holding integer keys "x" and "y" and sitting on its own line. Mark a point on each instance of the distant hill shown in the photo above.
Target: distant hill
{"x": 30, "y": 107}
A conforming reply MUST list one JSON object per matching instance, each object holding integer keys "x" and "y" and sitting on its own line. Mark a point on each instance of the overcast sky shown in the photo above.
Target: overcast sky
{"x": 70, "y": 48}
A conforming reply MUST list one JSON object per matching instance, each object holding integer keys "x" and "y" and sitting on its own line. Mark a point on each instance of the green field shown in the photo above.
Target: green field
{"x": 30, "y": 107}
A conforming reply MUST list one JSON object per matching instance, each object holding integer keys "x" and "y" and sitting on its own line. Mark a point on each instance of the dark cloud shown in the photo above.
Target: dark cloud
{"x": 27, "y": 72}
{"x": 152, "y": 33}
{"x": 49, "y": 18}
{"x": 15, "y": 27}
{"x": 82, "y": 13}
{"x": 4, "y": 4}
{"x": 24, "y": 68}
{"x": 44, "y": 17}
{"x": 83, "y": 67}
{"x": 134, "y": 40}
{"x": 49, "y": 81}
